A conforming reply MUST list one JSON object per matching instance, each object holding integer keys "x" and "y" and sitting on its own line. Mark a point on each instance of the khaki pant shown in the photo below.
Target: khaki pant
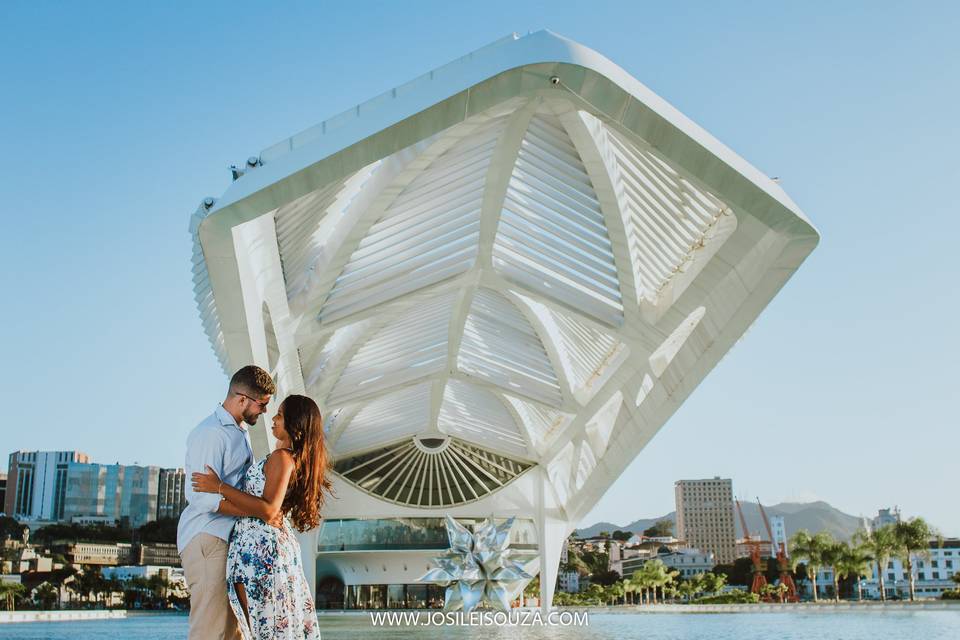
{"x": 204, "y": 563}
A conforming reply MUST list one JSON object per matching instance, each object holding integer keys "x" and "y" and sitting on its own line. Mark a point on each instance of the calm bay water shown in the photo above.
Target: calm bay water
{"x": 919, "y": 625}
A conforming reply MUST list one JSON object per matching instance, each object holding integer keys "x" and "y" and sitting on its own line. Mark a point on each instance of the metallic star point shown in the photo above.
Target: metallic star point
{"x": 479, "y": 568}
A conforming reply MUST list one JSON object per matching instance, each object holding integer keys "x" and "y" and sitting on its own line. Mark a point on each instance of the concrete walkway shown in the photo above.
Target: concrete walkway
{"x": 7, "y": 617}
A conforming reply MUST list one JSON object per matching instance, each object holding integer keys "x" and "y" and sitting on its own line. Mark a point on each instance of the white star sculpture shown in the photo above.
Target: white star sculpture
{"x": 478, "y": 568}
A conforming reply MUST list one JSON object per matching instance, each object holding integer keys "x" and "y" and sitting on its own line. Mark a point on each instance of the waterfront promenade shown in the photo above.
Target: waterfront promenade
{"x": 796, "y": 622}
{"x": 70, "y": 615}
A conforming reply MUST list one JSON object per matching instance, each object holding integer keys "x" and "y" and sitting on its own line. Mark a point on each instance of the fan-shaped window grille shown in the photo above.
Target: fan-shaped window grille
{"x": 431, "y": 472}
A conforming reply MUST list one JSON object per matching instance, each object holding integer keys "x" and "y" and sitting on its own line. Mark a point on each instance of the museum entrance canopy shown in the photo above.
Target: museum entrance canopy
{"x": 522, "y": 260}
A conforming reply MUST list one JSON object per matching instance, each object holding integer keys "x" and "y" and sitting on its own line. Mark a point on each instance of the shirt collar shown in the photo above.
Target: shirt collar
{"x": 226, "y": 419}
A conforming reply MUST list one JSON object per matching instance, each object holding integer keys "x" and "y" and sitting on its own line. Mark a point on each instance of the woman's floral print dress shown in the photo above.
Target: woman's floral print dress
{"x": 266, "y": 560}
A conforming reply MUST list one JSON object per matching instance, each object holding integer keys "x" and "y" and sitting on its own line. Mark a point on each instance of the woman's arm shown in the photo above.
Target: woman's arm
{"x": 267, "y": 507}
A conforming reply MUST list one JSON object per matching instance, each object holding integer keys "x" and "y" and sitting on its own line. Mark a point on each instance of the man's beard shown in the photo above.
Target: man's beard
{"x": 251, "y": 421}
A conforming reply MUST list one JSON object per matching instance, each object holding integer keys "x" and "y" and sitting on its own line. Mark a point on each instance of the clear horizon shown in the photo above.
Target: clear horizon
{"x": 122, "y": 118}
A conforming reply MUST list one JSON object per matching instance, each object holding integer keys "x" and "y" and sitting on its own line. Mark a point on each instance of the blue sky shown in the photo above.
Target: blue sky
{"x": 116, "y": 120}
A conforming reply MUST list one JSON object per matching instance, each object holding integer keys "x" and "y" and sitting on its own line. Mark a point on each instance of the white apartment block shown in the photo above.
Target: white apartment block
{"x": 689, "y": 562}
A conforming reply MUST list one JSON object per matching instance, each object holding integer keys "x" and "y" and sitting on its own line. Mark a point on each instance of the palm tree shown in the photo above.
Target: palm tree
{"x": 804, "y": 546}
{"x": 831, "y": 556}
{"x": 913, "y": 539}
{"x": 656, "y": 575}
{"x": 631, "y": 586}
{"x": 617, "y": 591}
{"x": 9, "y": 592}
{"x": 595, "y": 593}
{"x": 46, "y": 596}
{"x": 854, "y": 561}
{"x": 881, "y": 544}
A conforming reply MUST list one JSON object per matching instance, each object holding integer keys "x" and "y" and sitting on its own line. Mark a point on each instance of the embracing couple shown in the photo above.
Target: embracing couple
{"x": 239, "y": 553}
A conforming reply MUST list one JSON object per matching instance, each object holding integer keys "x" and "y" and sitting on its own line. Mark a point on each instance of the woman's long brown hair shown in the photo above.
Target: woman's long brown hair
{"x": 304, "y": 499}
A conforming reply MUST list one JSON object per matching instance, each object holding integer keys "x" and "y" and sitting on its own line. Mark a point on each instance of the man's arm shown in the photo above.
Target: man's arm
{"x": 203, "y": 449}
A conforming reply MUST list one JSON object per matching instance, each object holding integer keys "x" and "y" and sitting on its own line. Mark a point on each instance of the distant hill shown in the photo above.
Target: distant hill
{"x": 812, "y": 516}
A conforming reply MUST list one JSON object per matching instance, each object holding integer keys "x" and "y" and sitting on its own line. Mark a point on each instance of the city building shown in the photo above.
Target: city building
{"x": 157, "y": 553}
{"x": 498, "y": 281}
{"x": 568, "y": 581}
{"x": 173, "y": 575}
{"x": 97, "y": 553}
{"x": 885, "y": 517}
{"x": 780, "y": 540}
{"x": 171, "y": 498}
{"x": 619, "y": 553}
{"x": 124, "y": 494}
{"x": 688, "y": 562}
{"x": 37, "y": 482}
{"x": 933, "y": 575}
{"x": 3, "y": 492}
{"x": 705, "y": 516}
{"x": 743, "y": 548}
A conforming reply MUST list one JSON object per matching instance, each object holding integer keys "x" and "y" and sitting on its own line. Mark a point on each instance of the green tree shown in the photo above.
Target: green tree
{"x": 46, "y": 596}
{"x": 622, "y": 536}
{"x": 713, "y": 582}
{"x": 804, "y": 546}
{"x": 10, "y": 529}
{"x": 9, "y": 592}
{"x": 687, "y": 589}
{"x": 913, "y": 540}
{"x": 163, "y": 530}
{"x": 880, "y": 544}
{"x": 831, "y": 555}
{"x": 659, "y": 529}
{"x": 855, "y": 561}
{"x": 595, "y": 593}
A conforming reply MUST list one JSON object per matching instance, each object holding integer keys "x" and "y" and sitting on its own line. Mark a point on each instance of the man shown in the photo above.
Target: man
{"x": 222, "y": 442}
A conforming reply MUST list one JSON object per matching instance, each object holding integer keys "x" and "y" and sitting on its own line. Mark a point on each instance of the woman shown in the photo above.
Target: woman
{"x": 267, "y": 588}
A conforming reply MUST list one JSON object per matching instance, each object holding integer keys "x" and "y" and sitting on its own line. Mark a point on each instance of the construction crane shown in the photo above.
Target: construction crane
{"x": 783, "y": 565}
{"x": 759, "y": 579}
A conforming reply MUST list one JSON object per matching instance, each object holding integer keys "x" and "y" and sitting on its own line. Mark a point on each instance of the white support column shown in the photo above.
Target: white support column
{"x": 552, "y": 531}
{"x": 308, "y": 554}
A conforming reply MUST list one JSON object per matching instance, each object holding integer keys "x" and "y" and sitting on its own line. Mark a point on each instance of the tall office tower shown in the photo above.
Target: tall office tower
{"x": 705, "y": 516}
{"x": 3, "y": 491}
{"x": 37, "y": 483}
{"x": 127, "y": 494}
{"x": 171, "y": 498}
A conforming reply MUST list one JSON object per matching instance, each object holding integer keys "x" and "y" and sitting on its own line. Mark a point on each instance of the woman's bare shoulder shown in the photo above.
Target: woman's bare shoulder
{"x": 279, "y": 459}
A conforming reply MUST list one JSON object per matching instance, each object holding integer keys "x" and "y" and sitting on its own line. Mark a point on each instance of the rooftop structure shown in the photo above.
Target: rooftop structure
{"x": 498, "y": 281}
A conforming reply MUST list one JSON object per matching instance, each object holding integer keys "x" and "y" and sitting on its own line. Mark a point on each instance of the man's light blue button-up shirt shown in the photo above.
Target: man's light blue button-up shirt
{"x": 219, "y": 442}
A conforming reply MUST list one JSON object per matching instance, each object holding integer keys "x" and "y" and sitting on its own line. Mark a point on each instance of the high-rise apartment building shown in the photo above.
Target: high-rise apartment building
{"x": 37, "y": 483}
{"x": 171, "y": 498}
{"x": 705, "y": 516}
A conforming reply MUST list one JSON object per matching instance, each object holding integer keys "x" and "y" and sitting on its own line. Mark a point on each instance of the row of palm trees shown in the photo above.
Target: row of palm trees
{"x": 88, "y": 587}
{"x": 906, "y": 540}
{"x": 654, "y": 582}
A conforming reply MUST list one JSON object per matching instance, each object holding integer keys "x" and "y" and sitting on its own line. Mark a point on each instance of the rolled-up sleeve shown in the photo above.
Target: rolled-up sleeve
{"x": 204, "y": 448}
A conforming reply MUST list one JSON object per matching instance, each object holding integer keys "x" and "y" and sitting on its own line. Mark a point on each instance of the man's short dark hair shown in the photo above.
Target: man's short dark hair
{"x": 254, "y": 381}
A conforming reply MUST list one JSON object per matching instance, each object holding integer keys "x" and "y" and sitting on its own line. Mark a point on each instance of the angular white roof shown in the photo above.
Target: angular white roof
{"x": 523, "y": 258}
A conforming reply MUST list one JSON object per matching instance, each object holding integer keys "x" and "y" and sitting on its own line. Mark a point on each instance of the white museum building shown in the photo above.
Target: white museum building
{"x": 498, "y": 281}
